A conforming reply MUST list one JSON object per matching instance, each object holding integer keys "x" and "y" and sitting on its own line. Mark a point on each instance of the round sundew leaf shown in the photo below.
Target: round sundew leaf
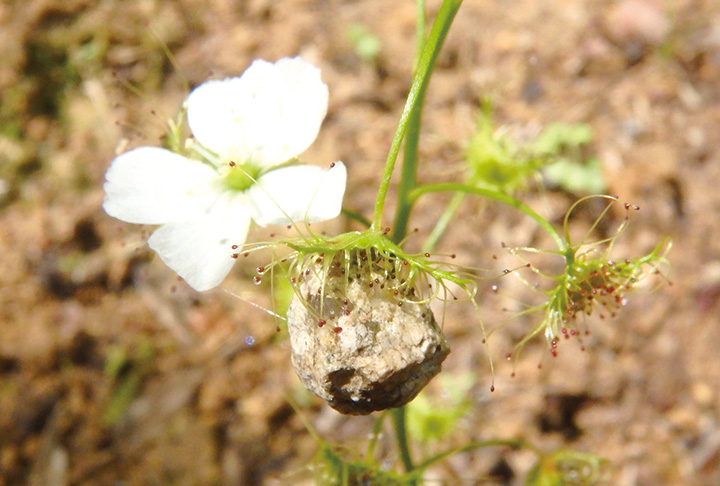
{"x": 151, "y": 185}
{"x": 200, "y": 249}
{"x": 298, "y": 193}
{"x": 267, "y": 116}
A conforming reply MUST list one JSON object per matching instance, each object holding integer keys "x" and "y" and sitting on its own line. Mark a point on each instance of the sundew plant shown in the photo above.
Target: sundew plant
{"x": 362, "y": 331}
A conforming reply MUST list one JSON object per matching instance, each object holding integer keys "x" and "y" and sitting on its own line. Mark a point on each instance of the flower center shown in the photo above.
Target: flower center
{"x": 240, "y": 177}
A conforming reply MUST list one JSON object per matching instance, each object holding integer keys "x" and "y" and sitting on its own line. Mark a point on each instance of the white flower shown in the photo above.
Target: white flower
{"x": 246, "y": 131}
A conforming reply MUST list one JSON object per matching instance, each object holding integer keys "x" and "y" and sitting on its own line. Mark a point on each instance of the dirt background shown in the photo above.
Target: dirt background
{"x": 112, "y": 371}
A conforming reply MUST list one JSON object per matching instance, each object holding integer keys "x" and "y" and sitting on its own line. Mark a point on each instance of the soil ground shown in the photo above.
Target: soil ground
{"x": 112, "y": 371}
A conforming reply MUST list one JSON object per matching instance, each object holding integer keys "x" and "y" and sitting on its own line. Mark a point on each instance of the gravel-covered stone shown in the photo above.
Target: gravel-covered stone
{"x": 358, "y": 345}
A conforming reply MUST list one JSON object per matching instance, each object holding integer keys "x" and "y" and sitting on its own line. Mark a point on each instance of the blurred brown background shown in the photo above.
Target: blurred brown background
{"x": 112, "y": 371}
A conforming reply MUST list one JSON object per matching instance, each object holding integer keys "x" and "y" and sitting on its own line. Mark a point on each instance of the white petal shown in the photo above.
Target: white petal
{"x": 298, "y": 193}
{"x": 269, "y": 115}
{"x": 150, "y": 185}
{"x": 200, "y": 249}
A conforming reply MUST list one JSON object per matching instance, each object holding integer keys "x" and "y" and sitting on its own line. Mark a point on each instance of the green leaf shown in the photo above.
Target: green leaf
{"x": 331, "y": 470}
{"x": 498, "y": 162}
{"x": 557, "y": 138}
{"x": 493, "y": 158}
{"x": 127, "y": 374}
{"x": 577, "y": 177}
{"x": 365, "y": 44}
{"x": 436, "y": 418}
{"x": 568, "y": 468}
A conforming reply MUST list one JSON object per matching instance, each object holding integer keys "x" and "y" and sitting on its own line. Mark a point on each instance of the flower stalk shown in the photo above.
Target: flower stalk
{"x": 410, "y": 115}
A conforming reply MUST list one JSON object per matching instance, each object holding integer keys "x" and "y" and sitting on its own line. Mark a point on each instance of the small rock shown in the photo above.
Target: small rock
{"x": 356, "y": 347}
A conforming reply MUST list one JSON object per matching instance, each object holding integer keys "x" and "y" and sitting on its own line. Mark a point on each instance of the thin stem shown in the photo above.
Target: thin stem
{"x": 498, "y": 196}
{"x": 422, "y": 77}
{"x": 408, "y": 176}
{"x": 355, "y": 216}
{"x": 443, "y": 223}
{"x": 421, "y": 26}
{"x": 409, "y": 124}
{"x": 398, "y": 418}
{"x": 377, "y": 428}
{"x": 515, "y": 443}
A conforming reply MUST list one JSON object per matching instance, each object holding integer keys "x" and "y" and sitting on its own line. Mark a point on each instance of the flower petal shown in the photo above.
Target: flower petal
{"x": 200, "y": 249}
{"x": 151, "y": 185}
{"x": 267, "y": 116}
{"x": 298, "y": 193}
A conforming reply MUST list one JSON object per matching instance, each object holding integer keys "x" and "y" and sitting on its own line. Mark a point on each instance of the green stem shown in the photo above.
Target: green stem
{"x": 377, "y": 429}
{"x": 420, "y": 27}
{"x": 498, "y": 196}
{"x": 355, "y": 216}
{"x": 443, "y": 223}
{"x": 398, "y": 418}
{"x": 414, "y": 101}
{"x": 409, "y": 125}
{"x": 408, "y": 176}
{"x": 515, "y": 443}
